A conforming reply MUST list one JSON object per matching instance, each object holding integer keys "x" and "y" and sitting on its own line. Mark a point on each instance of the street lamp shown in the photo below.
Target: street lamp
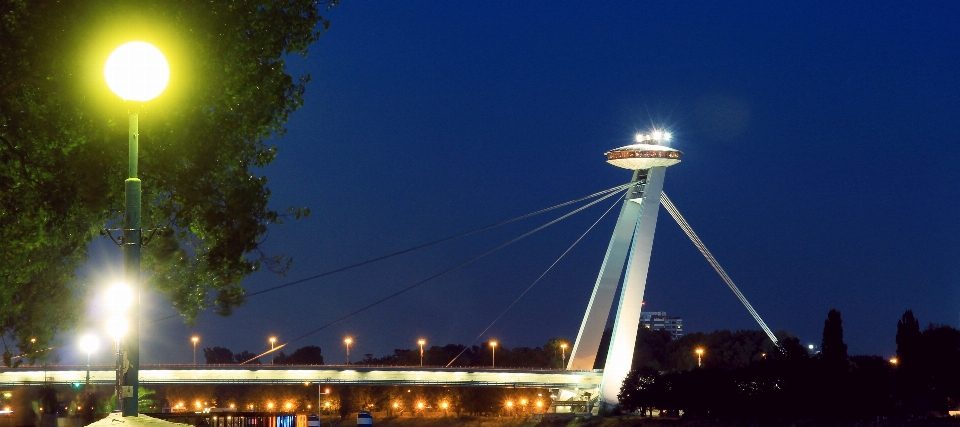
{"x": 116, "y": 327}
{"x": 136, "y": 71}
{"x": 699, "y": 352}
{"x": 195, "y": 340}
{"x": 421, "y": 342}
{"x": 273, "y": 341}
{"x": 348, "y": 341}
{"x": 493, "y": 347}
{"x": 563, "y": 356}
{"x": 320, "y": 392}
{"x": 88, "y": 344}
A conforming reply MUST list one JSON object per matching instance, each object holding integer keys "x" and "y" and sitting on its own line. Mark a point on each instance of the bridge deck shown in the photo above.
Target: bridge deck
{"x": 322, "y": 374}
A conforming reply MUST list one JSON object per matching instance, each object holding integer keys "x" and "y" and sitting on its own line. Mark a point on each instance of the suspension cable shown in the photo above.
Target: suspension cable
{"x": 713, "y": 262}
{"x": 462, "y": 264}
{"x": 615, "y": 203}
{"x": 414, "y": 248}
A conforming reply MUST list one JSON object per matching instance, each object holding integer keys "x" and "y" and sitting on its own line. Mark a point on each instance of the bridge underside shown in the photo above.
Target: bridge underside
{"x": 355, "y": 375}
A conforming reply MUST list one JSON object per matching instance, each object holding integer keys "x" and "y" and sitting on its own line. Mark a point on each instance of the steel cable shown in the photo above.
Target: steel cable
{"x": 415, "y": 285}
{"x": 668, "y": 205}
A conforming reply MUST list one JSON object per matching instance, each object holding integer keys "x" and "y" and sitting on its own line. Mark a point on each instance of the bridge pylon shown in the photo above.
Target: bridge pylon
{"x": 628, "y": 255}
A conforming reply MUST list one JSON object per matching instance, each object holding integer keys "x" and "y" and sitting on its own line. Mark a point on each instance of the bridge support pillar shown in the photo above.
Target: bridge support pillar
{"x": 628, "y": 254}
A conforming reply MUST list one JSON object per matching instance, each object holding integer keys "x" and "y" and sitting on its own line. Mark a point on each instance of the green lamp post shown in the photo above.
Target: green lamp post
{"x": 137, "y": 72}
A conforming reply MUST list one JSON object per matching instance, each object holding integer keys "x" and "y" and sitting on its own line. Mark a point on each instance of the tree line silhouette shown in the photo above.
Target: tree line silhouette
{"x": 744, "y": 375}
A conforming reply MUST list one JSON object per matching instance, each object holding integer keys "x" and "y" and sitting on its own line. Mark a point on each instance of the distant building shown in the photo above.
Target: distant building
{"x": 657, "y": 320}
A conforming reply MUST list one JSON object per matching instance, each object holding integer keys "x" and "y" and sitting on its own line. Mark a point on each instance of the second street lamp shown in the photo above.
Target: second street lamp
{"x": 195, "y": 340}
{"x": 137, "y": 72}
{"x": 88, "y": 344}
{"x": 563, "y": 356}
{"x": 421, "y": 342}
{"x": 348, "y": 341}
{"x": 116, "y": 327}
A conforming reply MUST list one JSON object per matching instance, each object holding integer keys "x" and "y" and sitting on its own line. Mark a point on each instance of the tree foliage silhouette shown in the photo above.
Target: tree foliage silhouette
{"x": 203, "y": 142}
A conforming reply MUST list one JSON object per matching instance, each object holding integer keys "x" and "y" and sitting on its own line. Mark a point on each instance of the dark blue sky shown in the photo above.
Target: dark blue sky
{"x": 821, "y": 162}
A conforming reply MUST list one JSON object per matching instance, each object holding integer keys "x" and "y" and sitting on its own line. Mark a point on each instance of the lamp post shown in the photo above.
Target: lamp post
{"x": 320, "y": 392}
{"x": 563, "y": 356}
{"x": 421, "y": 342}
{"x": 116, "y": 327}
{"x": 137, "y": 72}
{"x": 273, "y": 340}
{"x": 88, "y": 344}
{"x": 699, "y": 352}
{"x": 195, "y": 340}
{"x": 493, "y": 349}
{"x": 348, "y": 341}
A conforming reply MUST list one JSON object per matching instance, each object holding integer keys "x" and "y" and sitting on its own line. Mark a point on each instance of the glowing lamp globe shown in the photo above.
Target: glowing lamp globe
{"x": 137, "y": 71}
{"x": 89, "y": 343}
{"x": 117, "y": 327}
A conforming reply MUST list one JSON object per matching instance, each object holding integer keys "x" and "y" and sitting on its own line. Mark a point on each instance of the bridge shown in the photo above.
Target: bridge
{"x": 624, "y": 267}
{"x": 311, "y": 374}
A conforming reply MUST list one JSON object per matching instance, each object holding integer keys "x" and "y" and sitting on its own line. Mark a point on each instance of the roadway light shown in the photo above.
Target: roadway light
{"x": 135, "y": 71}
{"x": 117, "y": 327}
{"x": 119, "y": 298}
{"x": 421, "y": 342}
{"x": 272, "y": 340}
{"x": 88, "y": 343}
{"x": 493, "y": 349}
{"x": 348, "y": 341}
{"x": 699, "y": 352}
{"x": 195, "y": 340}
{"x": 563, "y": 356}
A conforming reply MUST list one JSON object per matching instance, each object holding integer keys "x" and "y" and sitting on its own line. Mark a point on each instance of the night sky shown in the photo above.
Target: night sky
{"x": 820, "y": 168}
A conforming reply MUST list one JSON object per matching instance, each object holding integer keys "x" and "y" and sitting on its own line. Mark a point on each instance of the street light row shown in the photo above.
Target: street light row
{"x": 348, "y": 341}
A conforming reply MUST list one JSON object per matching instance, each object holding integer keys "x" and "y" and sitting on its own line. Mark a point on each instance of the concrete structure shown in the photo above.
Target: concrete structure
{"x": 321, "y": 374}
{"x": 658, "y": 320}
{"x": 628, "y": 255}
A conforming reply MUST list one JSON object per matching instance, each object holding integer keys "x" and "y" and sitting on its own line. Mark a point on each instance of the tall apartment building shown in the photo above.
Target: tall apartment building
{"x": 659, "y": 320}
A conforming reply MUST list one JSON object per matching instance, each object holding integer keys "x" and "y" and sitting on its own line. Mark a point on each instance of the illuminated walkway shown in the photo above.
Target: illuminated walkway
{"x": 315, "y": 374}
